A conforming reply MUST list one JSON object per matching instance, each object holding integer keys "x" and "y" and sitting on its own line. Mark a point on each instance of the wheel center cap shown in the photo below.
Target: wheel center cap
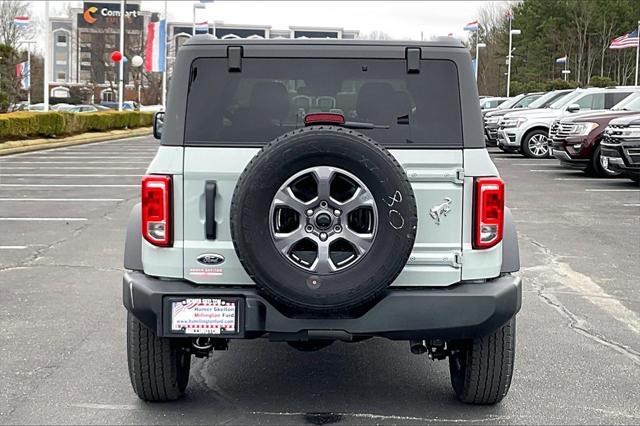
{"x": 323, "y": 221}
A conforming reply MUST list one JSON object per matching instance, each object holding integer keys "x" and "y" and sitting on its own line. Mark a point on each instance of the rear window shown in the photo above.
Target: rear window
{"x": 272, "y": 96}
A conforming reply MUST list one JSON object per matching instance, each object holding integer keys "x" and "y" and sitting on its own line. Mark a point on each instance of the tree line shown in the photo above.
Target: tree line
{"x": 581, "y": 30}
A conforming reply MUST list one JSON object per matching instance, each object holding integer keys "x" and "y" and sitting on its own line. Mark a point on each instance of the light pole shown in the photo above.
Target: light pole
{"x": 511, "y": 34}
{"x": 196, "y": 6}
{"x": 47, "y": 51}
{"x": 121, "y": 64}
{"x": 28, "y": 43}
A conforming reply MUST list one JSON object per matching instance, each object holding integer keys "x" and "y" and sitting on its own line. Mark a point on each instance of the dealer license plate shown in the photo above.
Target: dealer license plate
{"x": 204, "y": 316}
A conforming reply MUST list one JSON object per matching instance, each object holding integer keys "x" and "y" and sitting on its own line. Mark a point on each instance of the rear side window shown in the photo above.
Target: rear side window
{"x": 272, "y": 96}
{"x": 612, "y": 98}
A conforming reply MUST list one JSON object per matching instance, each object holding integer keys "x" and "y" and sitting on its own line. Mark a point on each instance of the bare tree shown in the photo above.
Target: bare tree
{"x": 375, "y": 35}
{"x": 10, "y": 32}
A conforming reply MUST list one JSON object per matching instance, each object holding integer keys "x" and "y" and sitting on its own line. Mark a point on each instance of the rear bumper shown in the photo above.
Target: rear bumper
{"x": 461, "y": 311}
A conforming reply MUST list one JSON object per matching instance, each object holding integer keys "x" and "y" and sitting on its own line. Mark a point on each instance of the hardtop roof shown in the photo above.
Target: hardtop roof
{"x": 207, "y": 39}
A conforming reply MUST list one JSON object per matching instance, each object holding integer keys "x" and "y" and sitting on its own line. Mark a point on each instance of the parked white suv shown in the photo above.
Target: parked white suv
{"x": 527, "y": 131}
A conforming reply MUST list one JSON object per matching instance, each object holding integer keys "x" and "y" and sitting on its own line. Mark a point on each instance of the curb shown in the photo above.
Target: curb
{"x": 16, "y": 147}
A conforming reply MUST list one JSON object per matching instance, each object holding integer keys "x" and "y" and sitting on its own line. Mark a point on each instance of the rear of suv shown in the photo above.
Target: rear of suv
{"x": 311, "y": 191}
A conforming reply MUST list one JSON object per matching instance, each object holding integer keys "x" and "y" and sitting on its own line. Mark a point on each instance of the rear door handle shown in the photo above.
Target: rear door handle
{"x": 210, "y": 209}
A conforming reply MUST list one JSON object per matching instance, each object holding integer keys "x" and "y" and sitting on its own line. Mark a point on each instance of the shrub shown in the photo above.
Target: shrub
{"x": 597, "y": 81}
{"x": 20, "y": 125}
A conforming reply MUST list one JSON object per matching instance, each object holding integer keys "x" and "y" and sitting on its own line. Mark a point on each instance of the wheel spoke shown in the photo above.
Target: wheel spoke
{"x": 362, "y": 242}
{"x": 284, "y": 241}
{"x": 323, "y": 263}
{"x": 323, "y": 177}
{"x": 361, "y": 198}
{"x": 285, "y": 198}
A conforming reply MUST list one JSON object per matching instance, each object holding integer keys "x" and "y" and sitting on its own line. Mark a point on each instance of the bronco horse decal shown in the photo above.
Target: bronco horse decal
{"x": 440, "y": 210}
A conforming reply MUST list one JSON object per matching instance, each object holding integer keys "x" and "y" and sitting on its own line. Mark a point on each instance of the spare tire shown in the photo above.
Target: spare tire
{"x": 323, "y": 219}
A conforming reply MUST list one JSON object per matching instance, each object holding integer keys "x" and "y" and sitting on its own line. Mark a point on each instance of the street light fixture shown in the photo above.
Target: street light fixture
{"x": 511, "y": 34}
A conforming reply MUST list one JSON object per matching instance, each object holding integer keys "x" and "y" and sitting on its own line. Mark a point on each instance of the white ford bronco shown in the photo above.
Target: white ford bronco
{"x": 309, "y": 191}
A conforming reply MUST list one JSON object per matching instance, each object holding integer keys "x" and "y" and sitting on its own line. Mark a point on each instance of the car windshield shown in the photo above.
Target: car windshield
{"x": 527, "y": 100}
{"x": 272, "y": 96}
{"x": 632, "y": 103}
{"x": 565, "y": 100}
{"x": 547, "y": 99}
{"x": 509, "y": 103}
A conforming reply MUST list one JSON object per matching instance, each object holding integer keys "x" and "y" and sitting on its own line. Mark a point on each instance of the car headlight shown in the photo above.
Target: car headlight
{"x": 630, "y": 132}
{"x": 512, "y": 122}
{"x": 492, "y": 120}
{"x": 583, "y": 129}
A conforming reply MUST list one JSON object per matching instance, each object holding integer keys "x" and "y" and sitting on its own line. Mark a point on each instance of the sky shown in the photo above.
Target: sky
{"x": 400, "y": 19}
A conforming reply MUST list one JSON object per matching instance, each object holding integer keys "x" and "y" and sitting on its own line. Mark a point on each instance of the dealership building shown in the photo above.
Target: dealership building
{"x": 82, "y": 43}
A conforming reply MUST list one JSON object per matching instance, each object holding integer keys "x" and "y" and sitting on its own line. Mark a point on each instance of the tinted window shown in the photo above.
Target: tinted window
{"x": 272, "y": 96}
{"x": 612, "y": 98}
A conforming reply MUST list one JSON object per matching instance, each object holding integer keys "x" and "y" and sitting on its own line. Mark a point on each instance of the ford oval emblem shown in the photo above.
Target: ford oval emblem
{"x": 210, "y": 259}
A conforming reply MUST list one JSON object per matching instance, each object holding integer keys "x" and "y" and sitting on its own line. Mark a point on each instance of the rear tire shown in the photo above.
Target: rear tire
{"x": 535, "y": 144}
{"x": 158, "y": 367}
{"x": 481, "y": 369}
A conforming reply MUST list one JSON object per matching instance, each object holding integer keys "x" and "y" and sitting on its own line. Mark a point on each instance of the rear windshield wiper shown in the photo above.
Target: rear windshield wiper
{"x": 362, "y": 125}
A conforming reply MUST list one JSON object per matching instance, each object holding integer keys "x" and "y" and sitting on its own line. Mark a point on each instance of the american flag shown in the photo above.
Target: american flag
{"x": 625, "y": 41}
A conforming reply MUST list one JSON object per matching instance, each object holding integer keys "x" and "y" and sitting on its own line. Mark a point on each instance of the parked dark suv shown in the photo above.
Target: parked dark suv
{"x": 621, "y": 146}
{"x": 575, "y": 139}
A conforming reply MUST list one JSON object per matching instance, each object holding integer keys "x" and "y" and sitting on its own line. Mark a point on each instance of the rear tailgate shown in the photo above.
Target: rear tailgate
{"x": 436, "y": 181}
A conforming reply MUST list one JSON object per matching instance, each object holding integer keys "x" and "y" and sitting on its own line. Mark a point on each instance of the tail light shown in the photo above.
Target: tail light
{"x": 156, "y": 210}
{"x": 489, "y": 212}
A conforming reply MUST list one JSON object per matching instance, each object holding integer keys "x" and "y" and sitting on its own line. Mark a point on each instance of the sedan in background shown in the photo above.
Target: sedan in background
{"x": 491, "y": 103}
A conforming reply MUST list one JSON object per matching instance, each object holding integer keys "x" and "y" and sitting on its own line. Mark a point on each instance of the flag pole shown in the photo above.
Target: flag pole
{"x": 164, "y": 72}
{"x": 46, "y": 56}
{"x": 637, "y": 52}
{"x": 477, "y": 49}
{"x": 121, "y": 63}
{"x": 28, "y": 76}
{"x": 509, "y": 59}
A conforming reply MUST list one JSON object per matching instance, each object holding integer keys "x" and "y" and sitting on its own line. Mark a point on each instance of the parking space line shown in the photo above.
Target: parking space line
{"x": 64, "y": 199}
{"x": 79, "y": 157}
{"x": 611, "y": 190}
{"x": 631, "y": 205}
{"x": 547, "y": 170}
{"x": 13, "y": 247}
{"x": 581, "y": 178}
{"x": 47, "y": 185}
{"x": 69, "y": 168}
{"x": 43, "y": 219}
{"x": 73, "y": 162}
{"x": 553, "y": 164}
{"x": 62, "y": 175}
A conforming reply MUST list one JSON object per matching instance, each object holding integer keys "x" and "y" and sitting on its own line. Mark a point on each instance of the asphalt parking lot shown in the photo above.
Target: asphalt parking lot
{"x": 63, "y": 214}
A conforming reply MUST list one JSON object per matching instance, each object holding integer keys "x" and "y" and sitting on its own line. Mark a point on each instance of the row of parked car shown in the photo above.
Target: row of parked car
{"x": 104, "y": 106}
{"x": 595, "y": 129}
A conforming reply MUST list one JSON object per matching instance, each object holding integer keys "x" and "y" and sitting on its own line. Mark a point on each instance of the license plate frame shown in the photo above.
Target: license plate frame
{"x": 213, "y": 307}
